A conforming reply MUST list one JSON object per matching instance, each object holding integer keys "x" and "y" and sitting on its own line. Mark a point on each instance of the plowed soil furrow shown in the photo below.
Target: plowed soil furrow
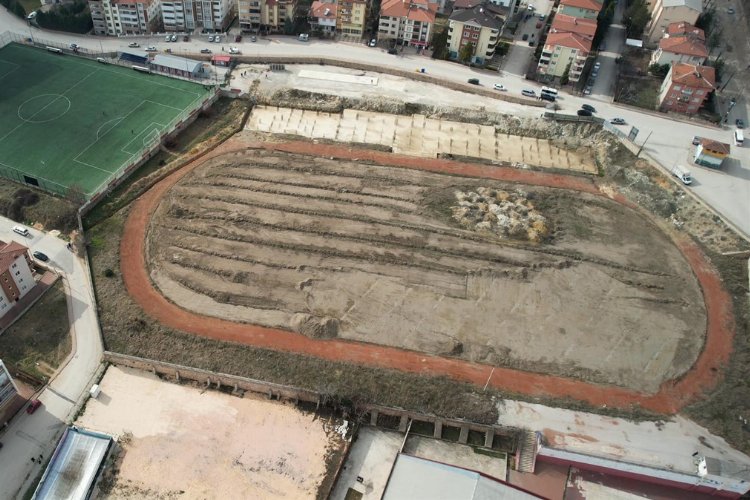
{"x": 672, "y": 394}
{"x": 255, "y": 258}
{"x": 304, "y": 192}
{"x": 369, "y": 234}
{"x": 328, "y": 183}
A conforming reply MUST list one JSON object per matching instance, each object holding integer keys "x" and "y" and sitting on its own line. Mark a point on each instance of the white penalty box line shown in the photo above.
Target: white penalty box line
{"x": 150, "y": 127}
{"x": 16, "y": 66}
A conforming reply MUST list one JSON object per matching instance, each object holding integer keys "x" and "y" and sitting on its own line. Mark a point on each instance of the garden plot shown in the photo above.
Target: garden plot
{"x": 402, "y": 258}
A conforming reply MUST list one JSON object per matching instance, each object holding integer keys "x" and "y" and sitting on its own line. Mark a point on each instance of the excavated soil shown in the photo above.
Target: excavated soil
{"x": 368, "y": 253}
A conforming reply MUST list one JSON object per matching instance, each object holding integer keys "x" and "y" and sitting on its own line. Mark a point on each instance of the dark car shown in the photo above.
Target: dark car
{"x": 35, "y": 404}
{"x": 186, "y": 38}
{"x": 393, "y": 51}
{"x": 617, "y": 121}
{"x": 525, "y": 37}
{"x": 531, "y": 43}
{"x": 205, "y": 51}
{"x": 238, "y": 38}
{"x": 740, "y": 123}
{"x": 40, "y": 256}
{"x": 584, "y": 112}
{"x": 589, "y": 108}
{"x": 473, "y": 81}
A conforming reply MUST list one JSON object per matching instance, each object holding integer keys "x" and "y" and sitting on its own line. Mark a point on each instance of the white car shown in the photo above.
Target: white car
{"x": 373, "y": 42}
{"x": 150, "y": 48}
{"x": 502, "y": 88}
{"x": 234, "y": 50}
{"x": 168, "y": 38}
{"x": 173, "y": 38}
{"x": 210, "y": 38}
{"x": 217, "y": 39}
{"x": 133, "y": 45}
{"x": 528, "y": 93}
{"x": 31, "y": 16}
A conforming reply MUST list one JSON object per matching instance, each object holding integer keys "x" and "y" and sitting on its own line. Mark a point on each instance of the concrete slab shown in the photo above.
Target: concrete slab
{"x": 338, "y": 77}
{"x": 371, "y": 457}
{"x": 457, "y": 454}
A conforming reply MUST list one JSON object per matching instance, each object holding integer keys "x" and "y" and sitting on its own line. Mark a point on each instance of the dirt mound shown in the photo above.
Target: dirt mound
{"x": 314, "y": 327}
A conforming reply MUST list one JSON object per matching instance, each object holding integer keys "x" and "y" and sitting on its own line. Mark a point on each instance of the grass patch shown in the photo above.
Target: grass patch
{"x": 40, "y": 340}
{"x": 50, "y": 211}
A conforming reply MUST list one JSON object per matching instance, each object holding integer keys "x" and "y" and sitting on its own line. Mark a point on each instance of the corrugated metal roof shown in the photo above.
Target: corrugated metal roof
{"x": 74, "y": 465}
{"x": 176, "y": 62}
{"x": 413, "y": 478}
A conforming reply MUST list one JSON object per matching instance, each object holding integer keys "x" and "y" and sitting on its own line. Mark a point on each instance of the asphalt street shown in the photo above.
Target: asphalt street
{"x": 669, "y": 141}
{"x": 31, "y": 435}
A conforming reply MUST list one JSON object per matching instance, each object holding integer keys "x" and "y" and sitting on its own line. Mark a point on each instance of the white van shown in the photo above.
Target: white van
{"x": 682, "y": 173}
{"x": 738, "y": 138}
{"x": 549, "y": 91}
{"x": 21, "y": 230}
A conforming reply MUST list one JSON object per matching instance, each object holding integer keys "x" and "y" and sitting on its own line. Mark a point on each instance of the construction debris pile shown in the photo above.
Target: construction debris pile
{"x": 507, "y": 214}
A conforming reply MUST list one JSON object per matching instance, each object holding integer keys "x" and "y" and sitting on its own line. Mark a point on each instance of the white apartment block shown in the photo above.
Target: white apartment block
{"x": 124, "y": 17}
{"x": 178, "y": 15}
{"x": 16, "y": 278}
{"x": 188, "y": 15}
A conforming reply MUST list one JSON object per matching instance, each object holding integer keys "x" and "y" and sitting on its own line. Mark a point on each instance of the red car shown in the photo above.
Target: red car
{"x": 33, "y": 406}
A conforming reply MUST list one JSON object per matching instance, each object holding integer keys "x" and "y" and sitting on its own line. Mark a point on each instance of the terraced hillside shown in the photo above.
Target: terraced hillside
{"x": 416, "y": 260}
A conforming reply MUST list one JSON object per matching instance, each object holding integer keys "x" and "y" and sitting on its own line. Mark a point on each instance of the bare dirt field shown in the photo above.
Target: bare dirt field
{"x": 253, "y": 448}
{"x": 419, "y": 135}
{"x": 508, "y": 275}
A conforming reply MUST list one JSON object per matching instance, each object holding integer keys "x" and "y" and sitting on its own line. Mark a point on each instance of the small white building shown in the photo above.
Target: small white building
{"x": 16, "y": 277}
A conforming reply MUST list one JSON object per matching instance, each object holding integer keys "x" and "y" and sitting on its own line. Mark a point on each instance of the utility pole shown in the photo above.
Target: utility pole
{"x": 644, "y": 143}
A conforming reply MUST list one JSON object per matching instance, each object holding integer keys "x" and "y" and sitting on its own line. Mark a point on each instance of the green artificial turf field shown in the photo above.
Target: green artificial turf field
{"x": 73, "y": 122}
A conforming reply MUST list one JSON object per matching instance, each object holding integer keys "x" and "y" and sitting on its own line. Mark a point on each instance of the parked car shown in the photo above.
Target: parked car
{"x": 542, "y": 17}
{"x": 617, "y": 121}
{"x": 499, "y": 87}
{"x": 35, "y": 404}
{"x": 234, "y": 50}
{"x": 150, "y": 48}
{"x": 133, "y": 45}
{"x": 173, "y": 38}
{"x": 238, "y": 38}
{"x": 21, "y": 230}
{"x": 530, "y": 8}
{"x": 373, "y": 43}
{"x": 583, "y": 112}
{"x": 40, "y": 256}
{"x": 730, "y": 11}
{"x": 696, "y": 140}
{"x": 253, "y": 38}
{"x": 528, "y": 93}
{"x": 205, "y": 51}
{"x": 73, "y": 46}
{"x": 217, "y": 39}
{"x": 740, "y": 123}
{"x": 532, "y": 43}
{"x": 31, "y": 16}
{"x": 587, "y": 90}
{"x": 588, "y": 107}
{"x": 210, "y": 38}
{"x": 525, "y": 37}
{"x": 474, "y": 81}
{"x": 168, "y": 38}
{"x": 393, "y": 51}
{"x": 186, "y": 38}
{"x": 303, "y": 37}
{"x": 538, "y": 25}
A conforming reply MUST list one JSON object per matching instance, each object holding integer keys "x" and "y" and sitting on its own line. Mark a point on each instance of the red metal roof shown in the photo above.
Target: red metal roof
{"x": 221, "y": 58}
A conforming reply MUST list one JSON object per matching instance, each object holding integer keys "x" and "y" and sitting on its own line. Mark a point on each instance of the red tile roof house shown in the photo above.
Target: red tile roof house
{"x": 568, "y": 24}
{"x": 323, "y": 16}
{"x": 682, "y": 42}
{"x": 686, "y": 87}
{"x": 410, "y": 22}
{"x": 16, "y": 278}
{"x": 588, "y": 9}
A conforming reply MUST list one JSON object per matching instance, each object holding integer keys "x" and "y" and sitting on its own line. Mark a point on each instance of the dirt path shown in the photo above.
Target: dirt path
{"x": 671, "y": 396}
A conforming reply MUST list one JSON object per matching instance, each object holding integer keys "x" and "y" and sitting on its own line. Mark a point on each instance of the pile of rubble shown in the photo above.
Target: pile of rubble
{"x": 507, "y": 214}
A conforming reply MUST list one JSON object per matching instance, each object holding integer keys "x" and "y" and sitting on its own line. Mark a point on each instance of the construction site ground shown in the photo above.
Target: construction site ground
{"x": 369, "y": 253}
{"x": 253, "y": 448}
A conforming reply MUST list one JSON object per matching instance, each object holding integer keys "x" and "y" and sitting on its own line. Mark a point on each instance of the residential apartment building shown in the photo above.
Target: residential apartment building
{"x": 683, "y": 42}
{"x": 351, "y": 17}
{"x": 686, "y": 87}
{"x": 16, "y": 278}
{"x": 561, "y": 50}
{"x": 586, "y": 9}
{"x": 178, "y": 15}
{"x": 409, "y": 22}
{"x": 563, "y": 23}
{"x": 124, "y": 17}
{"x": 477, "y": 26}
{"x": 323, "y": 17}
{"x": 214, "y": 15}
{"x": 8, "y": 394}
{"x": 667, "y": 12}
{"x": 265, "y": 15}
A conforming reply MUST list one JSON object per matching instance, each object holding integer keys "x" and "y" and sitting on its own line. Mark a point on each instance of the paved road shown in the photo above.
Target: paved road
{"x": 31, "y": 435}
{"x": 604, "y": 84}
{"x": 727, "y": 191}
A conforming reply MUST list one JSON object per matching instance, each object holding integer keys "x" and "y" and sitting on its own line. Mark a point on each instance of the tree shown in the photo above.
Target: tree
{"x": 565, "y": 76}
{"x": 659, "y": 70}
{"x": 636, "y": 18}
{"x": 440, "y": 45}
{"x": 466, "y": 52}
